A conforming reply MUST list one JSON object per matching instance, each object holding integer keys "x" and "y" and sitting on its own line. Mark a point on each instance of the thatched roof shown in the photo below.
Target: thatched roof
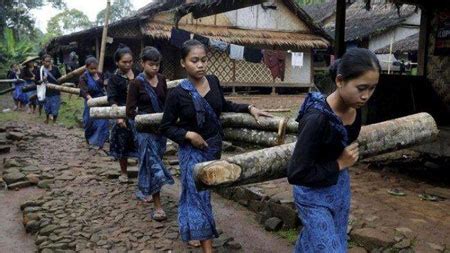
{"x": 242, "y": 36}
{"x": 360, "y": 21}
{"x": 408, "y": 44}
{"x": 141, "y": 24}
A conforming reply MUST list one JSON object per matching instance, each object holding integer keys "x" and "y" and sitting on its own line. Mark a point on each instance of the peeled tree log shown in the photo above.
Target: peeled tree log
{"x": 245, "y": 120}
{"x": 103, "y": 101}
{"x": 258, "y": 137}
{"x": 110, "y": 112}
{"x": 62, "y": 88}
{"x": 76, "y": 73}
{"x": 271, "y": 163}
{"x": 97, "y": 102}
{"x": 148, "y": 122}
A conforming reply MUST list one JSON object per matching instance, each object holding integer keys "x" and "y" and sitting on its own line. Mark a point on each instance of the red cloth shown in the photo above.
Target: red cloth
{"x": 276, "y": 62}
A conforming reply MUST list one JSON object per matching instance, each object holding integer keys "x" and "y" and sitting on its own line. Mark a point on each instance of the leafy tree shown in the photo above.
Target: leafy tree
{"x": 119, "y": 9}
{"x": 68, "y": 21}
{"x": 13, "y": 51}
{"x": 15, "y": 14}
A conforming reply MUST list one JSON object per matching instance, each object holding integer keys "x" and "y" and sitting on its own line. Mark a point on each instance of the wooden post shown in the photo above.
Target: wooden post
{"x": 390, "y": 55}
{"x": 339, "y": 36}
{"x": 422, "y": 53}
{"x": 97, "y": 48}
{"x": 104, "y": 35}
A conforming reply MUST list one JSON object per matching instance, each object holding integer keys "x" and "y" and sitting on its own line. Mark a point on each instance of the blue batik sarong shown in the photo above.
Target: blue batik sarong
{"x": 52, "y": 104}
{"x": 323, "y": 211}
{"x": 96, "y": 131}
{"x": 195, "y": 215}
{"x": 30, "y": 94}
{"x": 151, "y": 147}
{"x": 18, "y": 94}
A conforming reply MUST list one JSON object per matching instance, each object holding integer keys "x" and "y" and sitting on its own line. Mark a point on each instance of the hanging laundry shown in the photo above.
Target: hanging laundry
{"x": 253, "y": 55}
{"x": 204, "y": 40}
{"x": 178, "y": 37}
{"x": 276, "y": 62}
{"x": 218, "y": 45}
{"x": 236, "y": 52}
{"x": 297, "y": 59}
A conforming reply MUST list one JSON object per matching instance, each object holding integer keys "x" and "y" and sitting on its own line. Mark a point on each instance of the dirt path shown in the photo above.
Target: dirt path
{"x": 13, "y": 237}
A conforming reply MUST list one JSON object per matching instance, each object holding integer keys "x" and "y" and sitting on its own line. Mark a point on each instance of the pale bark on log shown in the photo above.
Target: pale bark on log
{"x": 271, "y": 163}
{"x": 148, "y": 122}
{"x": 103, "y": 101}
{"x": 245, "y": 120}
{"x": 98, "y": 102}
{"x": 110, "y": 112}
{"x": 62, "y": 88}
{"x": 258, "y": 137}
{"x": 77, "y": 72}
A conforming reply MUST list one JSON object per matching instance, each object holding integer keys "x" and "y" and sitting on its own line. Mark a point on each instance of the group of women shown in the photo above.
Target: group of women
{"x": 328, "y": 127}
{"x": 31, "y": 73}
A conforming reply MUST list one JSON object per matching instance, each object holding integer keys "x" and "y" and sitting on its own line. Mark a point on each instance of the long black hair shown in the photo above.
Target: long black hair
{"x": 121, "y": 51}
{"x": 354, "y": 63}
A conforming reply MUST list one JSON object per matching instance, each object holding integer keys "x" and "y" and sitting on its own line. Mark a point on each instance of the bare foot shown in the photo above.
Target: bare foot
{"x": 195, "y": 244}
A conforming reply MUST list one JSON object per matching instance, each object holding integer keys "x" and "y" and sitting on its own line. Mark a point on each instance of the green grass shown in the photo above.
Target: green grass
{"x": 290, "y": 234}
{"x": 9, "y": 116}
{"x": 71, "y": 110}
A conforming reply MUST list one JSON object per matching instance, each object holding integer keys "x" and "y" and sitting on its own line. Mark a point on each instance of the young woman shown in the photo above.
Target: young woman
{"x": 147, "y": 93}
{"x": 122, "y": 144}
{"x": 50, "y": 74}
{"x": 325, "y": 148}
{"x": 28, "y": 74}
{"x": 96, "y": 131}
{"x": 18, "y": 96}
{"x": 191, "y": 118}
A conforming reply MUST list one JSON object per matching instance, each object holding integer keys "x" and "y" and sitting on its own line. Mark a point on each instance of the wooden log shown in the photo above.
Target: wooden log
{"x": 110, "y": 112}
{"x": 271, "y": 163}
{"x": 245, "y": 120}
{"x": 103, "y": 101}
{"x": 10, "y": 80}
{"x": 62, "y": 88}
{"x": 97, "y": 102}
{"x": 258, "y": 137}
{"x": 77, "y": 72}
{"x": 2, "y": 92}
{"x": 148, "y": 122}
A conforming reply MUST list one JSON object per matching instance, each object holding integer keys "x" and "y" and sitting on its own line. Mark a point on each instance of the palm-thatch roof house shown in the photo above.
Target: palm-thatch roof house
{"x": 371, "y": 26}
{"x": 278, "y": 24}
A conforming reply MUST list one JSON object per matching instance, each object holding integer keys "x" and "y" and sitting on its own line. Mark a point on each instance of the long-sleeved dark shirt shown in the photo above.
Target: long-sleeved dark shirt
{"x": 314, "y": 160}
{"x": 84, "y": 88}
{"x": 179, "y": 105}
{"x": 118, "y": 88}
{"x": 139, "y": 99}
{"x": 56, "y": 74}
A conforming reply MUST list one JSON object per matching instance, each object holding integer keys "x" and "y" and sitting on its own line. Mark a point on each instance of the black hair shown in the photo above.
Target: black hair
{"x": 354, "y": 63}
{"x": 90, "y": 60}
{"x": 45, "y": 56}
{"x": 151, "y": 54}
{"x": 188, "y": 46}
{"x": 121, "y": 51}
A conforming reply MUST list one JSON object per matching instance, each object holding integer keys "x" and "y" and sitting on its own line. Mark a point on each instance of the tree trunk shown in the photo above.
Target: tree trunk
{"x": 110, "y": 112}
{"x": 271, "y": 163}
{"x": 148, "y": 122}
{"x": 65, "y": 89}
{"x": 258, "y": 137}
{"x": 98, "y": 102}
{"x": 245, "y": 120}
{"x": 77, "y": 72}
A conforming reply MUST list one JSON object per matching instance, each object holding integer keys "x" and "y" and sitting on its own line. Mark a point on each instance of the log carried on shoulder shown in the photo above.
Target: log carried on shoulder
{"x": 63, "y": 88}
{"x": 31, "y": 87}
{"x": 77, "y": 72}
{"x": 271, "y": 163}
{"x": 258, "y": 137}
{"x": 110, "y": 112}
{"x": 103, "y": 101}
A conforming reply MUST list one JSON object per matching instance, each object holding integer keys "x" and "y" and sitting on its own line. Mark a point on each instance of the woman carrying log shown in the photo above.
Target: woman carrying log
{"x": 20, "y": 99}
{"x": 325, "y": 148}
{"x": 122, "y": 142}
{"x": 197, "y": 103}
{"x": 50, "y": 74}
{"x": 28, "y": 74}
{"x": 147, "y": 94}
{"x": 96, "y": 131}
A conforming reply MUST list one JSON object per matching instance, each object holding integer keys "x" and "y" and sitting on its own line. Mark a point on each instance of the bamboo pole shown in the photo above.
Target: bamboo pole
{"x": 104, "y": 35}
{"x": 271, "y": 163}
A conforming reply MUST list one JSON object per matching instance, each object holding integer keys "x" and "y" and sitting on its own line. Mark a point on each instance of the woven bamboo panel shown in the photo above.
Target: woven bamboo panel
{"x": 248, "y": 72}
{"x": 221, "y": 65}
{"x": 169, "y": 66}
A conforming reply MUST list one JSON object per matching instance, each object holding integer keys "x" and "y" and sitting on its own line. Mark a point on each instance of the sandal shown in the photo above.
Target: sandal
{"x": 428, "y": 197}
{"x": 195, "y": 244}
{"x": 141, "y": 197}
{"x": 159, "y": 215}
